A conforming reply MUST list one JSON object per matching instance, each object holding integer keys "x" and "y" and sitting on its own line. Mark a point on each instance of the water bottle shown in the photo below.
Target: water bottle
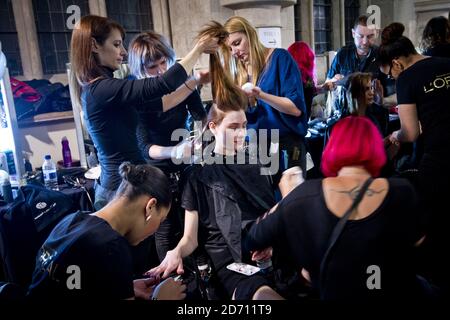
{"x": 50, "y": 175}
{"x": 5, "y": 187}
{"x": 67, "y": 155}
{"x": 284, "y": 160}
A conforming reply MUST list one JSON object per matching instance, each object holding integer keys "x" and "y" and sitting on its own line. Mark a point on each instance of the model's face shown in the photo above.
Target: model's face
{"x": 238, "y": 43}
{"x": 230, "y": 133}
{"x": 370, "y": 94}
{"x": 111, "y": 53}
{"x": 156, "y": 68}
{"x": 364, "y": 38}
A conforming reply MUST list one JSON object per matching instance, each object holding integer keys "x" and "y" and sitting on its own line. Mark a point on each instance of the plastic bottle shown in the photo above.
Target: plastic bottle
{"x": 5, "y": 187}
{"x": 284, "y": 160}
{"x": 49, "y": 173}
{"x": 67, "y": 155}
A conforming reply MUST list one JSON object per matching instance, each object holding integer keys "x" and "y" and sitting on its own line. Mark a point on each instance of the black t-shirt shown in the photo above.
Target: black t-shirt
{"x": 199, "y": 197}
{"x": 100, "y": 254}
{"x": 303, "y": 224}
{"x": 379, "y": 117}
{"x": 427, "y": 84}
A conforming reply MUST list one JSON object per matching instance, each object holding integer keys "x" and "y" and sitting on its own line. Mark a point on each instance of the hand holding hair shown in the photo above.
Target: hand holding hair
{"x": 208, "y": 44}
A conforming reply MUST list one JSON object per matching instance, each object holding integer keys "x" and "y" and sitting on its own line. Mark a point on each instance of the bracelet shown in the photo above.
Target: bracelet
{"x": 188, "y": 86}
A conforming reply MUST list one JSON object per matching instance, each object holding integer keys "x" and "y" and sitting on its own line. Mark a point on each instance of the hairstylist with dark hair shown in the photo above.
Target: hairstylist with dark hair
{"x": 423, "y": 98}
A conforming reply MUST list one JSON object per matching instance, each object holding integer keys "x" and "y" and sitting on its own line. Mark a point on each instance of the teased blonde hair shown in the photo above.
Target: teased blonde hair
{"x": 257, "y": 50}
{"x": 226, "y": 94}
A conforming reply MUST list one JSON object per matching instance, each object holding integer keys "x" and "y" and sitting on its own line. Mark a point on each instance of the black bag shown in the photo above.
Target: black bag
{"x": 24, "y": 226}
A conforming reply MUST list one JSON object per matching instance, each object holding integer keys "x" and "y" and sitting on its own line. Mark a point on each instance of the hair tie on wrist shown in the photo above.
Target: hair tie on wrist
{"x": 185, "y": 83}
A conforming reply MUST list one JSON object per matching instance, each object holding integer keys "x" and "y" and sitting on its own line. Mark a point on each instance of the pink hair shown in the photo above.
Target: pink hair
{"x": 304, "y": 57}
{"x": 354, "y": 141}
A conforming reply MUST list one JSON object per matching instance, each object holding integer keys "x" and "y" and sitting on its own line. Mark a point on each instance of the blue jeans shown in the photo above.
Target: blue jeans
{"x": 102, "y": 196}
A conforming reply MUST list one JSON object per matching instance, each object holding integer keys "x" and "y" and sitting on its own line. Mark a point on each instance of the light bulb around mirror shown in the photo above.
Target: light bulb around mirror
{"x": 2, "y": 64}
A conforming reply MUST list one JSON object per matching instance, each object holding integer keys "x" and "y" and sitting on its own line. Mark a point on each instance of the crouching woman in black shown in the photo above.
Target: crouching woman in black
{"x": 372, "y": 258}
{"x": 87, "y": 256}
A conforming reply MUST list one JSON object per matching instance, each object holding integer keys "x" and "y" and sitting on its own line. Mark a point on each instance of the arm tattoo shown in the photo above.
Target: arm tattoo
{"x": 353, "y": 193}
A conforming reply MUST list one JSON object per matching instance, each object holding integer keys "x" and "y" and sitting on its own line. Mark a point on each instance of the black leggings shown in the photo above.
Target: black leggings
{"x": 170, "y": 231}
{"x": 243, "y": 287}
{"x": 434, "y": 189}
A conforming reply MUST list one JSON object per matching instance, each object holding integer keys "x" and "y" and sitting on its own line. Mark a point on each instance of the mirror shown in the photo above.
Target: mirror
{"x": 10, "y": 148}
{"x": 81, "y": 131}
{"x": 2, "y": 62}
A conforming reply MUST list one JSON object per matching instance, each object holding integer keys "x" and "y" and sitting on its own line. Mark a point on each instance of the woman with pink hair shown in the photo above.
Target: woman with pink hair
{"x": 380, "y": 232}
{"x": 304, "y": 57}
